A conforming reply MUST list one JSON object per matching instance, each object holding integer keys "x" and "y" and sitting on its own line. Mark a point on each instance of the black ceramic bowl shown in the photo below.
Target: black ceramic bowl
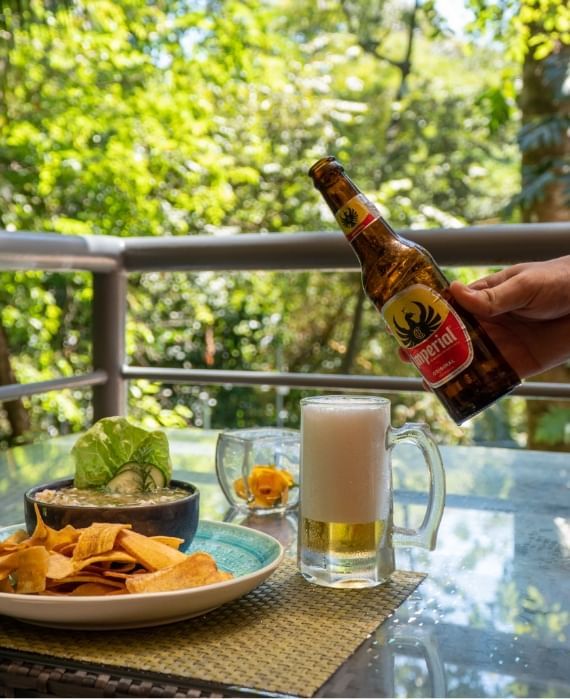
{"x": 174, "y": 518}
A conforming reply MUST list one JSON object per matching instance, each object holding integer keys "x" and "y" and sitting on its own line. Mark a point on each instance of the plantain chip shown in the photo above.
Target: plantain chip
{"x": 32, "y": 570}
{"x": 8, "y": 562}
{"x": 97, "y": 539}
{"x": 94, "y": 588}
{"x": 83, "y": 578}
{"x": 172, "y": 541}
{"x": 51, "y": 538}
{"x": 12, "y": 543}
{"x": 59, "y": 566}
{"x": 153, "y": 555}
{"x": 196, "y": 569}
{"x": 105, "y": 560}
{"x": 102, "y": 559}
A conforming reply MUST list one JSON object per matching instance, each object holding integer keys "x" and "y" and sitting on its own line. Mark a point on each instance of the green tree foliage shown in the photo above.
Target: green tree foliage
{"x": 127, "y": 118}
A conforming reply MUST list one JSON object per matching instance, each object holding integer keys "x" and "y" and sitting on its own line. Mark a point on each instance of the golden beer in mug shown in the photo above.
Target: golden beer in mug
{"x": 342, "y": 538}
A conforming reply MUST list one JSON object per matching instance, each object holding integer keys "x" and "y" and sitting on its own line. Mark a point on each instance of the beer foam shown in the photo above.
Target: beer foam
{"x": 345, "y": 468}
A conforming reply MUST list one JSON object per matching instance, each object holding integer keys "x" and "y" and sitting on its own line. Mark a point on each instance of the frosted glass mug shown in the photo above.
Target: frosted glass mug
{"x": 346, "y": 533}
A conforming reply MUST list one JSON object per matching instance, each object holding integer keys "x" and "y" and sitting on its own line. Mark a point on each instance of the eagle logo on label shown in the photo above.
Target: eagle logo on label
{"x": 418, "y": 325}
{"x": 349, "y": 218}
{"x": 431, "y": 332}
{"x": 356, "y": 215}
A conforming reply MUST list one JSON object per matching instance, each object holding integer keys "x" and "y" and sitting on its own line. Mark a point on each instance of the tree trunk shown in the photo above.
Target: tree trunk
{"x": 17, "y": 415}
{"x": 543, "y": 103}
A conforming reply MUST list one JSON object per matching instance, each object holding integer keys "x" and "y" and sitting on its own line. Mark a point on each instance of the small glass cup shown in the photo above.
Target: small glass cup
{"x": 258, "y": 468}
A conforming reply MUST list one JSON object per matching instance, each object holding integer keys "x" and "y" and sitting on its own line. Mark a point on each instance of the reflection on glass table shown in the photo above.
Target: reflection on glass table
{"x": 492, "y": 618}
{"x": 495, "y": 607}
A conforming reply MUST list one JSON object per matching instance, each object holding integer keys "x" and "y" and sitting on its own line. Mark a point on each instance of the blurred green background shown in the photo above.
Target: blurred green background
{"x": 124, "y": 117}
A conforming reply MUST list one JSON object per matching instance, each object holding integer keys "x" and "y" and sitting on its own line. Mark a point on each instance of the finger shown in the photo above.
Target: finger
{"x": 474, "y": 300}
{"x": 488, "y": 302}
{"x": 492, "y": 280}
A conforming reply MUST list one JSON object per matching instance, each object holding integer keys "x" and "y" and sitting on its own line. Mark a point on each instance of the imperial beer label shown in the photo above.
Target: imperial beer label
{"x": 356, "y": 215}
{"x": 431, "y": 332}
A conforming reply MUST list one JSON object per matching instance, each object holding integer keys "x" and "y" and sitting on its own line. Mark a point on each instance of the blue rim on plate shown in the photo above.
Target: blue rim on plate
{"x": 237, "y": 549}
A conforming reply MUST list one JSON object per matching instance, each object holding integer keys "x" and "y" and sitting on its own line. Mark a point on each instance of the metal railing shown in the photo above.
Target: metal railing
{"x": 110, "y": 260}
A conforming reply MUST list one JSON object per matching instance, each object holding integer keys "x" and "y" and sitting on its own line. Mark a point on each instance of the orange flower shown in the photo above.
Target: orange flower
{"x": 268, "y": 485}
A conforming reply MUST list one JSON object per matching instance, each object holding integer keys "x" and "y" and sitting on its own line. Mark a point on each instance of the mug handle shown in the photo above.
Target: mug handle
{"x": 420, "y": 435}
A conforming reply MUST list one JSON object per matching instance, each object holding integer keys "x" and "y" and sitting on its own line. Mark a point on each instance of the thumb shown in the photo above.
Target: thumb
{"x": 489, "y": 301}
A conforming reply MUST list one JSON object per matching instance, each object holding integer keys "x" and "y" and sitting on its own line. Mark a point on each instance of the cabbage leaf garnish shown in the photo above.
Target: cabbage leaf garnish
{"x": 112, "y": 445}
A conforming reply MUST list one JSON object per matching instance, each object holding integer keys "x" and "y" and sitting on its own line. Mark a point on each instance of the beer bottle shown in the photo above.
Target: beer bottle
{"x": 456, "y": 357}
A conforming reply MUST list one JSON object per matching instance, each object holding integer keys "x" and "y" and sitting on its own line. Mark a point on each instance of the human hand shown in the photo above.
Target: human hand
{"x": 526, "y": 311}
{"x": 532, "y": 290}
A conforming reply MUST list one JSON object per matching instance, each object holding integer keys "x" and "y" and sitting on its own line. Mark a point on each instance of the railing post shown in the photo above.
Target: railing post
{"x": 108, "y": 342}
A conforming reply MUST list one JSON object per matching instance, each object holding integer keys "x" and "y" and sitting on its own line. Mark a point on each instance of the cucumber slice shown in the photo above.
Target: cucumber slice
{"x": 153, "y": 478}
{"x": 126, "y": 481}
{"x": 133, "y": 477}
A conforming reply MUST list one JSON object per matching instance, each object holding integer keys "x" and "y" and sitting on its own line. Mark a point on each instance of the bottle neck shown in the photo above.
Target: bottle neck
{"x": 353, "y": 211}
{"x": 338, "y": 191}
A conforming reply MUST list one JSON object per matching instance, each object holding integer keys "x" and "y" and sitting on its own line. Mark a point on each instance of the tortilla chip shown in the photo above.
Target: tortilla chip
{"x": 172, "y": 541}
{"x": 100, "y": 559}
{"x": 32, "y": 570}
{"x": 96, "y": 539}
{"x": 66, "y": 550}
{"x": 13, "y": 541}
{"x": 104, "y": 559}
{"x": 153, "y": 555}
{"x": 120, "y": 570}
{"x": 92, "y": 588}
{"x": 83, "y": 578}
{"x": 59, "y": 566}
{"x": 59, "y": 539}
{"x": 8, "y": 563}
{"x": 40, "y": 531}
{"x": 117, "y": 574}
{"x": 52, "y": 538}
{"x": 196, "y": 569}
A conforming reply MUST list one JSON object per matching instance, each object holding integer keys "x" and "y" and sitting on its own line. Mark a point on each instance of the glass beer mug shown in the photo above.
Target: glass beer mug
{"x": 346, "y": 536}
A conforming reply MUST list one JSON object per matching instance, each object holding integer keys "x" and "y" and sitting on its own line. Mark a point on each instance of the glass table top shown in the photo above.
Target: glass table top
{"x": 491, "y": 619}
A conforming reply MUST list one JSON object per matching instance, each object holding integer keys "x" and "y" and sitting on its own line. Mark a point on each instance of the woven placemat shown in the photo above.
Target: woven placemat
{"x": 285, "y": 637}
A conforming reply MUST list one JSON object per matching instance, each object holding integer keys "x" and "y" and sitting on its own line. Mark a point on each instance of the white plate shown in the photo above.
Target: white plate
{"x": 249, "y": 554}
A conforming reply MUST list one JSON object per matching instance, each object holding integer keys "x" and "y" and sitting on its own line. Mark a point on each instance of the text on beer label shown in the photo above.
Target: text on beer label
{"x": 356, "y": 215}
{"x": 431, "y": 332}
